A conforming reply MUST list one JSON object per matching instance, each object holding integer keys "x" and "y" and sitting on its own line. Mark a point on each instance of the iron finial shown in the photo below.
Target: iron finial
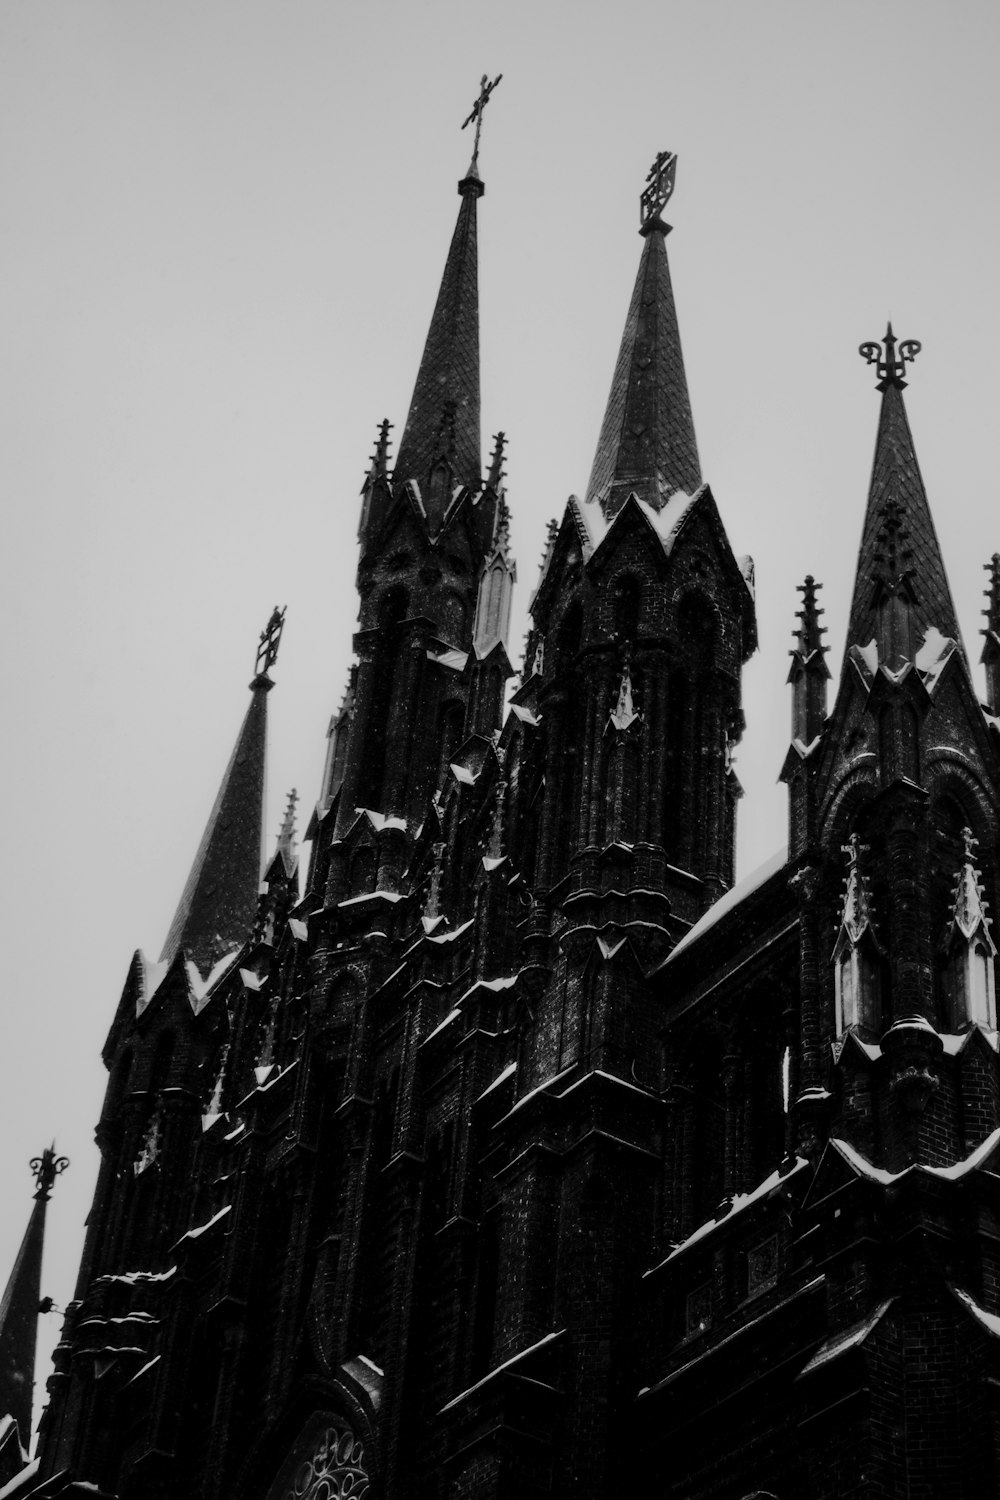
{"x": 45, "y": 1169}
{"x": 659, "y": 186}
{"x": 890, "y": 368}
{"x": 485, "y": 90}
{"x": 270, "y": 640}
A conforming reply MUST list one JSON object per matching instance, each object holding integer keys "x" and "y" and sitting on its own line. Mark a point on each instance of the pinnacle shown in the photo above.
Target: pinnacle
{"x": 809, "y": 636}
{"x": 286, "y": 835}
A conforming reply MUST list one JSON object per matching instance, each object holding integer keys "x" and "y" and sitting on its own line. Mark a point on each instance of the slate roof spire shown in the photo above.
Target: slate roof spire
{"x": 900, "y": 556}
{"x": 647, "y": 442}
{"x": 443, "y": 421}
{"x": 216, "y": 910}
{"x": 20, "y": 1305}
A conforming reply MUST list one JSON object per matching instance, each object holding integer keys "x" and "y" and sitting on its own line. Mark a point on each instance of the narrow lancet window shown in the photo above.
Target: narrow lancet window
{"x": 971, "y": 949}
{"x": 856, "y": 953}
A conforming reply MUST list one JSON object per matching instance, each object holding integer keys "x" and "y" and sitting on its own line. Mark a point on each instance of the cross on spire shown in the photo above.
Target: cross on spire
{"x": 485, "y": 90}
{"x": 659, "y": 187}
{"x": 270, "y": 640}
{"x": 890, "y": 369}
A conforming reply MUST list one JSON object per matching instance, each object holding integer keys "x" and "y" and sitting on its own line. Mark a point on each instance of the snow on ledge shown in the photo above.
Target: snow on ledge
{"x": 850, "y": 1338}
{"x": 740, "y": 891}
{"x": 985, "y": 1319}
{"x": 867, "y": 1169}
{"x": 739, "y": 1203}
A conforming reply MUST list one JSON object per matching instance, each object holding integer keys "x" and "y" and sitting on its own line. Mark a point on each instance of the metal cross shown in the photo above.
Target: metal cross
{"x": 890, "y": 369}
{"x": 270, "y": 640}
{"x": 485, "y": 90}
{"x": 659, "y": 186}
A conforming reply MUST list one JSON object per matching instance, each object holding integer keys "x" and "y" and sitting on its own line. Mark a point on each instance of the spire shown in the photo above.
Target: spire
{"x": 216, "y": 909}
{"x": 647, "y": 442}
{"x": 443, "y": 421}
{"x": 900, "y": 589}
{"x": 20, "y": 1306}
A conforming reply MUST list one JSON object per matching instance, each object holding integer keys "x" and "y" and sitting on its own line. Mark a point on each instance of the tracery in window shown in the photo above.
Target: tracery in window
{"x": 335, "y": 1469}
{"x": 856, "y": 953}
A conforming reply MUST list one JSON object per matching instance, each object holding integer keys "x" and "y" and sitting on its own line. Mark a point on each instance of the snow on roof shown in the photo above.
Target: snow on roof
{"x": 739, "y": 1203}
{"x": 251, "y": 980}
{"x": 200, "y": 986}
{"x": 13, "y": 1485}
{"x": 493, "y": 861}
{"x": 933, "y": 655}
{"x": 849, "y": 1338}
{"x": 489, "y": 984}
{"x": 451, "y": 1016}
{"x": 514, "y": 1359}
{"x": 540, "y": 1088}
{"x": 371, "y": 896}
{"x": 498, "y": 1080}
{"x": 151, "y": 976}
{"x": 454, "y": 659}
{"x": 985, "y": 1319}
{"x": 865, "y": 1168}
{"x": 524, "y": 714}
{"x": 449, "y": 937}
{"x": 590, "y": 518}
{"x": 195, "y": 1234}
{"x": 731, "y": 899}
{"x": 139, "y": 1373}
{"x": 467, "y": 778}
{"x": 379, "y": 820}
{"x": 134, "y": 1278}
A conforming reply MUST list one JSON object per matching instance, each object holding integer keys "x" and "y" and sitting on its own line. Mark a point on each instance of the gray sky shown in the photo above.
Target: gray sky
{"x": 222, "y": 226}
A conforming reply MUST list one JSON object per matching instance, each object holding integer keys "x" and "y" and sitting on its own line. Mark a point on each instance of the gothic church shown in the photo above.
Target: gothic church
{"x": 508, "y": 1149}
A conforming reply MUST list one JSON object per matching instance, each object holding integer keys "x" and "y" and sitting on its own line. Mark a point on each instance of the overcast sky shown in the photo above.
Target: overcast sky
{"x": 222, "y": 227}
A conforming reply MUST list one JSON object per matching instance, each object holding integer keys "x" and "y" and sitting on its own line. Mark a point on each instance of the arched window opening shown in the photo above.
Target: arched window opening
{"x": 362, "y": 871}
{"x": 627, "y": 601}
{"x": 857, "y": 953}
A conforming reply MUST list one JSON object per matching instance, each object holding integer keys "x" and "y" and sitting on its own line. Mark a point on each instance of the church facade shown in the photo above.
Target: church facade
{"x": 509, "y": 1149}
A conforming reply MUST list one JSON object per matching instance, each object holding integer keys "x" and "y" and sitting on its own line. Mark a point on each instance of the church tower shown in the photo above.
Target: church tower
{"x": 505, "y": 1148}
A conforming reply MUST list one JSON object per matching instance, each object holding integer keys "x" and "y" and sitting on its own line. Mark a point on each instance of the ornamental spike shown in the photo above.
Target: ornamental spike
{"x": 891, "y": 363}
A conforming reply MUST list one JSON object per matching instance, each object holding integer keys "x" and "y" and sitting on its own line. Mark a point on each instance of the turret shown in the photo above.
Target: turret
{"x": 640, "y": 586}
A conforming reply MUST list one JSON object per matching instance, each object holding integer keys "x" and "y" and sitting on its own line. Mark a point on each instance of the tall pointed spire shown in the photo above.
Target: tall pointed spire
{"x": 899, "y": 561}
{"x": 19, "y": 1307}
{"x": 216, "y": 910}
{"x": 647, "y": 442}
{"x": 443, "y": 420}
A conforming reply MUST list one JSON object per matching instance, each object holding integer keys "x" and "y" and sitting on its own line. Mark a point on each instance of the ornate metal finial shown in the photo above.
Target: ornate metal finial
{"x": 45, "y": 1169}
{"x": 659, "y": 186}
{"x": 270, "y": 640}
{"x": 890, "y": 369}
{"x": 485, "y": 90}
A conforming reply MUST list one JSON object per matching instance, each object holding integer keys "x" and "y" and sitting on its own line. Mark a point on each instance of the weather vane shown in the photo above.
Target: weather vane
{"x": 270, "y": 640}
{"x": 890, "y": 369}
{"x": 659, "y": 186}
{"x": 485, "y": 90}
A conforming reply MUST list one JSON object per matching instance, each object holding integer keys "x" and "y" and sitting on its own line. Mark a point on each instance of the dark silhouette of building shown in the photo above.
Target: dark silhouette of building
{"x": 512, "y": 1151}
